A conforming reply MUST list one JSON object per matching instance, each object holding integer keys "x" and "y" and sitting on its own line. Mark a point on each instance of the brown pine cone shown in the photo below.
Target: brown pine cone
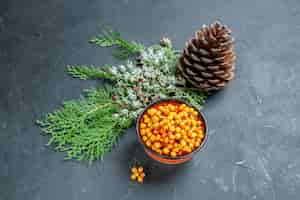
{"x": 208, "y": 59}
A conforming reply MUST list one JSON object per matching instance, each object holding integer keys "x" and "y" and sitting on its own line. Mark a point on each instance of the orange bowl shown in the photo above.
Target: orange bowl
{"x": 164, "y": 158}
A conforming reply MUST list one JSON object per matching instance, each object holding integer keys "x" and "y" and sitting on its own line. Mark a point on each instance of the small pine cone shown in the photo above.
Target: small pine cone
{"x": 207, "y": 62}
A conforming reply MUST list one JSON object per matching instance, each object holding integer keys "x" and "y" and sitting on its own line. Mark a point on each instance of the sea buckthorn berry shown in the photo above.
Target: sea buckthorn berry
{"x": 149, "y": 134}
{"x": 140, "y": 169}
{"x": 183, "y": 143}
{"x": 155, "y": 119}
{"x": 144, "y": 138}
{"x": 172, "y": 128}
{"x": 156, "y": 125}
{"x": 166, "y": 151}
{"x": 201, "y": 135}
{"x": 157, "y": 145}
{"x": 192, "y": 134}
{"x": 195, "y": 113}
{"x": 177, "y": 136}
{"x": 194, "y": 123}
{"x": 134, "y": 170}
{"x": 197, "y": 144}
{"x": 173, "y": 154}
{"x": 166, "y": 140}
{"x": 191, "y": 145}
{"x": 172, "y": 137}
{"x": 142, "y": 131}
{"x": 133, "y": 177}
{"x": 140, "y": 179}
{"x": 143, "y": 125}
{"x": 157, "y": 137}
{"x": 148, "y": 144}
{"x": 152, "y": 138}
{"x": 142, "y": 174}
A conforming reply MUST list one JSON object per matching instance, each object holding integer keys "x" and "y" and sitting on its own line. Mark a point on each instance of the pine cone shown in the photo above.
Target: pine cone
{"x": 207, "y": 62}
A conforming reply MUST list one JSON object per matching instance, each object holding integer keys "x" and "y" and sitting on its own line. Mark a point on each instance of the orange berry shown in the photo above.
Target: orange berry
{"x": 166, "y": 140}
{"x": 166, "y": 151}
{"x": 142, "y": 175}
{"x": 140, "y": 180}
{"x": 194, "y": 123}
{"x": 177, "y": 136}
{"x": 172, "y": 137}
{"x": 142, "y": 131}
{"x": 134, "y": 170}
{"x": 152, "y": 138}
{"x": 143, "y": 125}
{"x": 195, "y": 113}
{"x": 172, "y": 128}
{"x": 188, "y": 149}
{"x": 148, "y": 143}
{"x": 158, "y": 137}
{"x": 173, "y": 154}
{"x": 140, "y": 169}
{"x": 149, "y": 134}
{"x": 144, "y": 138}
{"x": 197, "y": 144}
{"x": 192, "y": 134}
{"x": 156, "y": 125}
{"x": 133, "y": 177}
{"x": 146, "y": 119}
{"x": 157, "y": 145}
{"x": 201, "y": 135}
{"x": 183, "y": 143}
{"x": 155, "y": 119}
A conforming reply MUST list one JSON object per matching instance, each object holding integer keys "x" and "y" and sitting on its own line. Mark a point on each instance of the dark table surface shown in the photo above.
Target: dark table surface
{"x": 254, "y": 141}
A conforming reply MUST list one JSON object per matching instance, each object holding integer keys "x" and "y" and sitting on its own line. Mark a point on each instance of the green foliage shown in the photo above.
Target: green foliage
{"x": 196, "y": 98}
{"x": 85, "y": 72}
{"x": 109, "y": 38}
{"x": 86, "y": 128}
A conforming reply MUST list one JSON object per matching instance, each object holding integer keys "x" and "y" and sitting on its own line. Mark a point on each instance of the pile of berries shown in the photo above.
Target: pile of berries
{"x": 137, "y": 174}
{"x": 171, "y": 128}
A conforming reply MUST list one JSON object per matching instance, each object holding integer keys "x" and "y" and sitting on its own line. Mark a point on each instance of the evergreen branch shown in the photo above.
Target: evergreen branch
{"x": 85, "y": 72}
{"x": 86, "y": 128}
{"x": 109, "y": 38}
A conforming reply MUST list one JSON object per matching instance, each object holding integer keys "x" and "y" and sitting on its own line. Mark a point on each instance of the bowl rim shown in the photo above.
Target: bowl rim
{"x": 200, "y": 147}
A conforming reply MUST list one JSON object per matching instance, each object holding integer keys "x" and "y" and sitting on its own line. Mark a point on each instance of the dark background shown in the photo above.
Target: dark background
{"x": 254, "y": 144}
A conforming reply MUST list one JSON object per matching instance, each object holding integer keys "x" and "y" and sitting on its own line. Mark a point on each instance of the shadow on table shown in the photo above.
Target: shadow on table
{"x": 155, "y": 171}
